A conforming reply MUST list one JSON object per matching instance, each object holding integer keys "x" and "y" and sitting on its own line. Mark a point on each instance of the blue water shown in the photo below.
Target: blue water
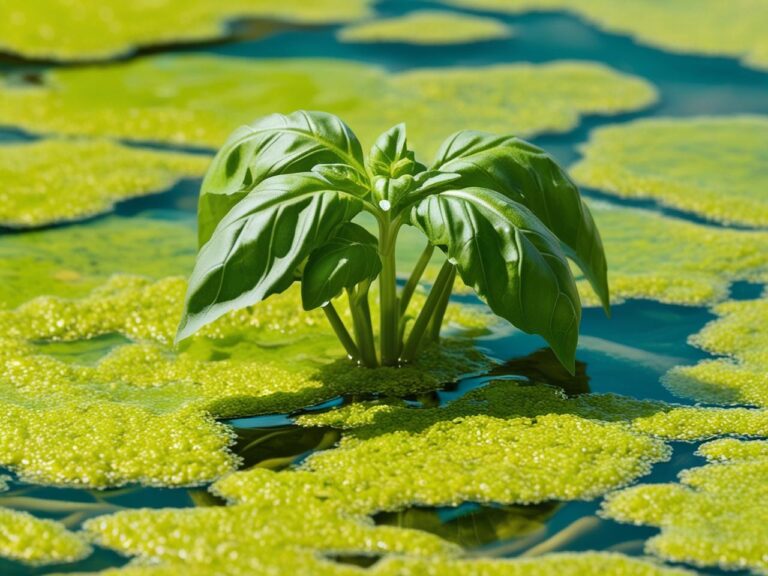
{"x": 626, "y": 354}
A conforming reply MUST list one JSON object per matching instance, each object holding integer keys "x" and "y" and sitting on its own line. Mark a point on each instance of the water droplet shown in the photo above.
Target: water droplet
{"x": 385, "y": 205}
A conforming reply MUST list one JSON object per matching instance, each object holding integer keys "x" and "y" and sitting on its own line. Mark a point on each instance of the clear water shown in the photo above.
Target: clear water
{"x": 625, "y": 354}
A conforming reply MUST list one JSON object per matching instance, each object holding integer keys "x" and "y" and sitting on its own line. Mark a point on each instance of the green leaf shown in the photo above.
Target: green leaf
{"x": 273, "y": 145}
{"x": 510, "y": 259}
{"x": 257, "y": 247}
{"x": 346, "y": 260}
{"x": 390, "y": 156}
{"x": 528, "y": 175}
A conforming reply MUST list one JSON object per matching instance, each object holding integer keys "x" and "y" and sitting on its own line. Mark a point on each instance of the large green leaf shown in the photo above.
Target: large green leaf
{"x": 510, "y": 259}
{"x": 528, "y": 175}
{"x": 257, "y": 247}
{"x": 273, "y": 145}
{"x": 347, "y": 259}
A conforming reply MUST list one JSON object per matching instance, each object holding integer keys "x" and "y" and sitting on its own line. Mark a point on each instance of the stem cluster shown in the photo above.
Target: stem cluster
{"x": 397, "y": 344}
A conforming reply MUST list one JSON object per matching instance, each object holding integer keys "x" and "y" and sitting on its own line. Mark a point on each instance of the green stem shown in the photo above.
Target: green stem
{"x": 413, "y": 281}
{"x": 341, "y": 331}
{"x": 390, "y": 316}
{"x": 433, "y": 331}
{"x": 361, "y": 323}
{"x": 431, "y": 305}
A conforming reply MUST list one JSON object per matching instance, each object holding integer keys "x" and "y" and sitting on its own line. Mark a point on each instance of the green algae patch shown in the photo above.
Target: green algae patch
{"x": 31, "y": 540}
{"x": 72, "y": 261}
{"x": 706, "y": 27}
{"x": 671, "y": 161}
{"x": 740, "y": 334}
{"x": 55, "y": 180}
{"x": 169, "y": 99}
{"x": 715, "y": 516}
{"x": 673, "y": 261}
{"x": 502, "y": 443}
{"x": 275, "y": 521}
{"x": 65, "y": 30}
{"x": 142, "y": 411}
{"x": 299, "y": 522}
{"x": 562, "y": 564}
{"x": 427, "y": 27}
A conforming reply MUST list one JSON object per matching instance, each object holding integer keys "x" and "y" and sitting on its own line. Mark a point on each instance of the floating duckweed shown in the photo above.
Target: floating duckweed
{"x": 47, "y": 181}
{"x": 34, "y": 541}
{"x": 563, "y": 564}
{"x": 427, "y": 27}
{"x": 525, "y": 445}
{"x": 668, "y": 160}
{"x": 291, "y": 519}
{"x": 143, "y": 412}
{"x": 66, "y": 30}
{"x": 710, "y": 27}
{"x": 704, "y": 520}
{"x": 732, "y": 449}
{"x": 674, "y": 261}
{"x": 72, "y": 261}
{"x": 296, "y": 521}
{"x": 169, "y": 99}
{"x": 741, "y": 333}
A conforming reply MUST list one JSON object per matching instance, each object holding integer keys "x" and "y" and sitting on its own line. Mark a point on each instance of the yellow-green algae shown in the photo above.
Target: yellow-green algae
{"x": 36, "y": 541}
{"x": 54, "y": 180}
{"x": 87, "y": 30}
{"x": 199, "y": 99}
{"x": 672, "y": 260}
{"x": 707, "y": 27}
{"x": 73, "y": 260}
{"x": 144, "y": 412}
{"x": 741, "y": 377}
{"x": 716, "y": 516}
{"x": 670, "y": 160}
{"x": 427, "y": 27}
{"x": 296, "y": 520}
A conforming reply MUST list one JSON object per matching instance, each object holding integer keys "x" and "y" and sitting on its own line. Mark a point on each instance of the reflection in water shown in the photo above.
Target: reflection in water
{"x": 472, "y": 525}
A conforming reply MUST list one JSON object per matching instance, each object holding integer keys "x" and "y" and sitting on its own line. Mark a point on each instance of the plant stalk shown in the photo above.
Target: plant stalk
{"x": 433, "y": 331}
{"x": 413, "y": 280}
{"x": 341, "y": 331}
{"x": 389, "y": 309}
{"x": 415, "y": 338}
{"x": 361, "y": 323}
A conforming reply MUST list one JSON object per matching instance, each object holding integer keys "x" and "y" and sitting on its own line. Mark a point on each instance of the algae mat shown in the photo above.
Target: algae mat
{"x": 427, "y": 27}
{"x": 198, "y": 100}
{"x": 670, "y": 160}
{"x": 86, "y": 30}
{"x": 715, "y": 516}
{"x": 709, "y": 27}
{"x": 54, "y": 180}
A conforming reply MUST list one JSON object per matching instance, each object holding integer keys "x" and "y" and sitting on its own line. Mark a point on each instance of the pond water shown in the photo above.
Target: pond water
{"x": 626, "y": 354}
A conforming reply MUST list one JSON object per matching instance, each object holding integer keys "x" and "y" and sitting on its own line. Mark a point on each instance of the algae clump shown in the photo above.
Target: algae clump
{"x": 170, "y": 99}
{"x": 31, "y": 540}
{"x": 55, "y": 180}
{"x": 674, "y": 261}
{"x": 740, "y": 334}
{"x": 143, "y": 412}
{"x": 706, "y": 27}
{"x": 82, "y": 30}
{"x": 670, "y": 160}
{"x": 427, "y": 27}
{"x": 715, "y": 516}
{"x": 72, "y": 261}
